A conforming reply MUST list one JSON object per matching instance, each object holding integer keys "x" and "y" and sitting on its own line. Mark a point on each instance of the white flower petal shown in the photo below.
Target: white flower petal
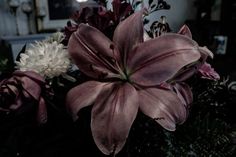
{"x": 48, "y": 59}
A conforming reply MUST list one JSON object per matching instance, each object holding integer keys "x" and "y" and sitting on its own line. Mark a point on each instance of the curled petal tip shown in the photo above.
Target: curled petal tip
{"x": 206, "y": 52}
{"x": 184, "y": 30}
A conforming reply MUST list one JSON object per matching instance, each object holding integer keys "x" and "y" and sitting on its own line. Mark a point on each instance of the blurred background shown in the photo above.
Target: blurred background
{"x": 212, "y": 23}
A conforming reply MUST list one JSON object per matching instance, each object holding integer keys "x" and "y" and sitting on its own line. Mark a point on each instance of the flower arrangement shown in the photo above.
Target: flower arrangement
{"x": 124, "y": 72}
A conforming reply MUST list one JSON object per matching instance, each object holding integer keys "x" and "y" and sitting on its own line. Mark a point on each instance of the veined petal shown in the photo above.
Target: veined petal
{"x": 164, "y": 106}
{"x": 112, "y": 116}
{"x": 83, "y": 95}
{"x": 184, "y": 93}
{"x": 194, "y": 67}
{"x": 93, "y": 52}
{"x": 159, "y": 59}
{"x": 186, "y": 72}
{"x": 128, "y": 34}
{"x": 184, "y": 30}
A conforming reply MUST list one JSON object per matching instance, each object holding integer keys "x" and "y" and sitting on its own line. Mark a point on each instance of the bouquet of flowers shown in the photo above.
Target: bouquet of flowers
{"x": 113, "y": 77}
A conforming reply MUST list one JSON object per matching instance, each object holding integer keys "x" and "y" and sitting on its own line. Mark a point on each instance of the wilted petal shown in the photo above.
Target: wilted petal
{"x": 207, "y": 72}
{"x": 128, "y": 34}
{"x": 112, "y": 116}
{"x": 31, "y": 87}
{"x": 164, "y": 106}
{"x": 42, "y": 111}
{"x": 31, "y": 83}
{"x": 25, "y": 85}
{"x": 93, "y": 52}
{"x": 31, "y": 74}
{"x": 83, "y": 95}
{"x": 159, "y": 59}
{"x": 12, "y": 88}
{"x": 184, "y": 30}
{"x": 17, "y": 103}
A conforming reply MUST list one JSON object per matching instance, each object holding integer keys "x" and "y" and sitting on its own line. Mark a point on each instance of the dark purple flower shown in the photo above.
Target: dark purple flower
{"x": 23, "y": 86}
{"x": 69, "y": 29}
{"x": 121, "y": 10}
{"x": 100, "y": 18}
{"x": 129, "y": 75}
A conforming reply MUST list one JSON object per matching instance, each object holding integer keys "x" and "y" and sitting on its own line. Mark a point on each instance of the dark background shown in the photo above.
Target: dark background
{"x": 204, "y": 29}
{"x": 59, "y": 9}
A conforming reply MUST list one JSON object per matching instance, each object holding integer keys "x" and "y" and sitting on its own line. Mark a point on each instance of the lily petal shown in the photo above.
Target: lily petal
{"x": 205, "y": 52}
{"x": 83, "y": 95}
{"x": 184, "y": 30}
{"x": 93, "y": 52}
{"x": 128, "y": 34}
{"x": 159, "y": 59}
{"x": 184, "y": 93}
{"x": 189, "y": 70}
{"x": 112, "y": 116}
{"x": 186, "y": 72}
{"x": 164, "y": 106}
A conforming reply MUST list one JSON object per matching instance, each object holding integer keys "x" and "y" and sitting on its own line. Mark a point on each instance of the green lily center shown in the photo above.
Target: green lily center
{"x": 125, "y": 76}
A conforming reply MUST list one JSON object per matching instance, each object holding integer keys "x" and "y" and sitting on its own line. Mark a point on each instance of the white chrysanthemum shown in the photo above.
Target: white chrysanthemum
{"x": 47, "y": 59}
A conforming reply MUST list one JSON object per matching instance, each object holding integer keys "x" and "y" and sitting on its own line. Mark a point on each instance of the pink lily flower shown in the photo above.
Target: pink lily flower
{"x": 129, "y": 76}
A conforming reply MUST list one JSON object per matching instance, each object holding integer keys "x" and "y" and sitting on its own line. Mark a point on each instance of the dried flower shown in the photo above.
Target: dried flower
{"x": 207, "y": 72}
{"x": 47, "y": 59}
{"x": 23, "y": 86}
